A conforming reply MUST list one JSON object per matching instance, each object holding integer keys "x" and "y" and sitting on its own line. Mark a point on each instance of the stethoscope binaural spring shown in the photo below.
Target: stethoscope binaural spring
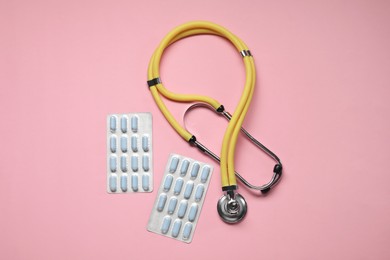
{"x": 232, "y": 206}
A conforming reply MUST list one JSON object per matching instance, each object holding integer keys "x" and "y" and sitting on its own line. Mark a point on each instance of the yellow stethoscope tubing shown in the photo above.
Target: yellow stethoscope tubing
{"x": 231, "y": 134}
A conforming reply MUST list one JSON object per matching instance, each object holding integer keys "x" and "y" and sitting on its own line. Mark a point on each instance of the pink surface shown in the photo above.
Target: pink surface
{"x": 321, "y": 103}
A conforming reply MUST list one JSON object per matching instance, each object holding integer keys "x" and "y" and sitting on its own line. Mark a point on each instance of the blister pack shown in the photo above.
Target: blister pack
{"x": 180, "y": 198}
{"x": 129, "y": 153}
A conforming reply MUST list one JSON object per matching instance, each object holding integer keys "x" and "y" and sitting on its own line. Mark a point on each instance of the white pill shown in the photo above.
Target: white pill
{"x": 124, "y": 163}
{"x": 195, "y": 170}
{"x": 113, "y": 144}
{"x": 145, "y": 182}
{"x": 176, "y": 227}
{"x": 187, "y": 231}
{"x": 178, "y": 186}
{"x": 113, "y": 163}
{"x": 112, "y": 182}
{"x": 124, "y": 124}
{"x": 193, "y": 211}
{"x": 166, "y": 224}
{"x": 134, "y": 182}
{"x": 168, "y": 182}
{"x": 172, "y": 205}
{"x": 145, "y": 143}
{"x": 188, "y": 190}
{"x": 113, "y": 123}
{"x": 184, "y": 167}
{"x": 199, "y": 192}
{"x": 182, "y": 208}
{"x": 161, "y": 202}
{"x": 145, "y": 162}
{"x": 134, "y": 145}
{"x": 173, "y": 165}
{"x": 124, "y": 143}
{"x": 205, "y": 174}
{"x": 124, "y": 182}
{"x": 134, "y": 163}
{"x": 134, "y": 124}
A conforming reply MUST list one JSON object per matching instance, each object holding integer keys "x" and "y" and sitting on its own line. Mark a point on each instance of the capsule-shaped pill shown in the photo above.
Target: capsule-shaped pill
{"x": 178, "y": 186}
{"x": 124, "y": 182}
{"x": 124, "y": 124}
{"x": 124, "y": 163}
{"x": 195, "y": 170}
{"x": 145, "y": 182}
{"x": 134, "y": 163}
{"x": 168, "y": 183}
{"x": 161, "y": 202}
{"x": 172, "y": 205}
{"x": 188, "y": 190}
{"x": 124, "y": 143}
{"x": 134, "y": 145}
{"x": 193, "y": 212}
{"x": 145, "y": 143}
{"x": 182, "y": 208}
{"x": 173, "y": 165}
{"x": 112, "y": 182}
{"x": 199, "y": 192}
{"x": 113, "y": 143}
{"x": 145, "y": 162}
{"x": 113, "y": 123}
{"x": 166, "y": 224}
{"x": 187, "y": 231}
{"x": 205, "y": 174}
{"x": 176, "y": 227}
{"x": 113, "y": 163}
{"x": 134, "y": 124}
{"x": 184, "y": 167}
{"x": 134, "y": 182}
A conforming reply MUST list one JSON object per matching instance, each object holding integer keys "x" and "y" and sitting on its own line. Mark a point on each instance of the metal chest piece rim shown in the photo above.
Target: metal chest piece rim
{"x": 232, "y": 208}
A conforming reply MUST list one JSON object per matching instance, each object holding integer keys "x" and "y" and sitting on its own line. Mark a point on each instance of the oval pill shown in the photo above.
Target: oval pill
{"x": 205, "y": 174}
{"x": 134, "y": 145}
{"x": 113, "y": 123}
{"x": 168, "y": 182}
{"x": 124, "y": 182}
{"x": 172, "y": 205}
{"x": 188, "y": 190}
{"x": 124, "y": 124}
{"x": 113, "y": 144}
{"x": 134, "y": 124}
{"x": 178, "y": 186}
{"x": 161, "y": 202}
{"x": 166, "y": 224}
{"x": 124, "y": 163}
{"x": 145, "y": 182}
{"x": 112, "y": 182}
{"x": 145, "y": 143}
{"x": 195, "y": 170}
{"x": 134, "y": 163}
{"x": 184, "y": 167}
{"x": 176, "y": 227}
{"x": 187, "y": 231}
{"x": 113, "y": 163}
{"x": 134, "y": 182}
{"x": 145, "y": 162}
{"x": 173, "y": 165}
{"x": 182, "y": 208}
{"x": 193, "y": 211}
{"x": 199, "y": 192}
{"x": 124, "y": 143}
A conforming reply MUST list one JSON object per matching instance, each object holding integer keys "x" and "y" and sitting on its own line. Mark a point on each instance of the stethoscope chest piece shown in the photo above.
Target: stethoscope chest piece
{"x": 232, "y": 207}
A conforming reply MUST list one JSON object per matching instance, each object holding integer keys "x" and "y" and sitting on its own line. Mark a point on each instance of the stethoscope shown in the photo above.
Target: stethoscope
{"x": 232, "y": 206}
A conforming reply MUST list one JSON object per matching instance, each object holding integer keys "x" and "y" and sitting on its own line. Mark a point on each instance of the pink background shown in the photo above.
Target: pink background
{"x": 321, "y": 103}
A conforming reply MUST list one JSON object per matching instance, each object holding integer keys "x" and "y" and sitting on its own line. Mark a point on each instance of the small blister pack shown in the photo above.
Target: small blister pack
{"x": 129, "y": 153}
{"x": 180, "y": 198}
